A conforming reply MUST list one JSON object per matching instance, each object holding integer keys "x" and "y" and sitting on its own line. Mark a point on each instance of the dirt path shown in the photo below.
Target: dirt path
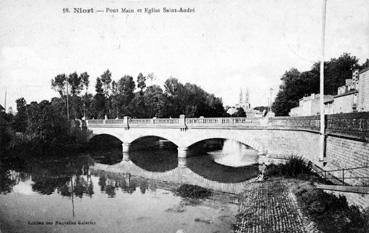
{"x": 269, "y": 207}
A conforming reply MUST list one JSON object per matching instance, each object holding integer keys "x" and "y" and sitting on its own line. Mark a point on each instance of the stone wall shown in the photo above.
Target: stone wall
{"x": 351, "y": 125}
{"x": 347, "y": 141}
{"x": 343, "y": 153}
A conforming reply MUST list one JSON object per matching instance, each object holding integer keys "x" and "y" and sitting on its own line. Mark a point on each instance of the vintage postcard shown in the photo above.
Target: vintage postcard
{"x": 184, "y": 116}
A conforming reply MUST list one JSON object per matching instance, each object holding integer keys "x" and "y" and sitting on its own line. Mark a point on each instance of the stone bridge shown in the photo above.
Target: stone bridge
{"x": 346, "y": 143}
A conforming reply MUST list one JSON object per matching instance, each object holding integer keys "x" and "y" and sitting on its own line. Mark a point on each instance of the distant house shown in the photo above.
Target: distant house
{"x": 351, "y": 97}
{"x": 309, "y": 105}
{"x": 346, "y": 102}
{"x": 232, "y": 110}
{"x": 347, "y": 95}
{"x": 363, "y": 96}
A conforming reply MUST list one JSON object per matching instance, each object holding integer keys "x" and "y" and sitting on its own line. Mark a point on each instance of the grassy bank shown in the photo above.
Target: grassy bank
{"x": 295, "y": 167}
{"x": 330, "y": 213}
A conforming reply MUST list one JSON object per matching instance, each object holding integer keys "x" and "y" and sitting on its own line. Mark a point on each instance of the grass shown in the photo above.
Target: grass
{"x": 295, "y": 167}
{"x": 193, "y": 191}
{"x": 331, "y": 213}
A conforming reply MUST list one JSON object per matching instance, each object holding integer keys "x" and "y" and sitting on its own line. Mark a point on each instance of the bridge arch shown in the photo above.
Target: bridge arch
{"x": 104, "y": 141}
{"x": 110, "y": 134}
{"x": 243, "y": 139}
{"x": 171, "y": 138}
{"x": 136, "y": 139}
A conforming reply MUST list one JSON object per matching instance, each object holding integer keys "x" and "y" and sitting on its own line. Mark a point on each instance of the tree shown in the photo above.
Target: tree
{"x": 58, "y": 84}
{"x": 98, "y": 87}
{"x": 46, "y": 123}
{"x": 86, "y": 100}
{"x": 20, "y": 121}
{"x": 296, "y": 85}
{"x": 85, "y": 81}
{"x": 141, "y": 82}
{"x": 106, "y": 83}
{"x": 76, "y": 84}
{"x": 126, "y": 87}
{"x": 240, "y": 113}
{"x": 154, "y": 101}
{"x": 337, "y": 71}
{"x": 191, "y": 100}
{"x": 6, "y": 135}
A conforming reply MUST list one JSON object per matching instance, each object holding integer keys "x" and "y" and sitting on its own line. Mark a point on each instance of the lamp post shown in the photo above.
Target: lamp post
{"x": 322, "y": 115}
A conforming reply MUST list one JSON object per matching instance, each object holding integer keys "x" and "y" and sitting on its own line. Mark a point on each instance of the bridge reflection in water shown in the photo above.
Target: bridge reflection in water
{"x": 201, "y": 168}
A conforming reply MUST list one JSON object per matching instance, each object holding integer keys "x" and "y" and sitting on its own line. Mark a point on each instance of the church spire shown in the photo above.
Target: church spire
{"x": 241, "y": 98}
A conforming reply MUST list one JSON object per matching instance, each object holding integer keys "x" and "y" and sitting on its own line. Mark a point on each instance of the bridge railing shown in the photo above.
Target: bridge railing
{"x": 224, "y": 121}
{"x": 354, "y": 125}
{"x": 114, "y": 121}
{"x": 95, "y": 122}
{"x": 154, "y": 121}
{"x": 304, "y": 122}
{"x": 134, "y": 121}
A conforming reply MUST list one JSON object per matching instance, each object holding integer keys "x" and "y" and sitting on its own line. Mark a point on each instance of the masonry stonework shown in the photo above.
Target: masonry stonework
{"x": 347, "y": 140}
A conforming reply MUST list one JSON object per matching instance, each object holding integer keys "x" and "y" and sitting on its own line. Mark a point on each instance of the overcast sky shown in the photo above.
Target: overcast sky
{"x": 223, "y": 46}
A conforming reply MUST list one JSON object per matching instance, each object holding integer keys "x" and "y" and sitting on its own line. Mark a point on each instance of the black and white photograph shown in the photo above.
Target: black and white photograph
{"x": 184, "y": 116}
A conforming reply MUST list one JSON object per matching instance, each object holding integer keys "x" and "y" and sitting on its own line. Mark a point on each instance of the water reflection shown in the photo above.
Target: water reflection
{"x": 131, "y": 193}
{"x": 235, "y": 154}
{"x": 220, "y": 160}
{"x": 111, "y": 156}
{"x": 75, "y": 189}
{"x": 154, "y": 154}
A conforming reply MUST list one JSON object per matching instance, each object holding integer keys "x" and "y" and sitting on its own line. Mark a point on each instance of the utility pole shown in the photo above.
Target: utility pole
{"x": 6, "y": 92}
{"x": 322, "y": 115}
{"x": 67, "y": 101}
{"x": 270, "y": 99}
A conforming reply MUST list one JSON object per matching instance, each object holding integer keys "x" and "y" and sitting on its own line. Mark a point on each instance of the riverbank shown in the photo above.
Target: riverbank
{"x": 270, "y": 206}
{"x": 293, "y": 205}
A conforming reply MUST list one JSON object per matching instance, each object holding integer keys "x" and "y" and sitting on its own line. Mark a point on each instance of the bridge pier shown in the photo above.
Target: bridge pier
{"x": 182, "y": 152}
{"x": 182, "y": 162}
{"x": 125, "y": 156}
{"x": 125, "y": 147}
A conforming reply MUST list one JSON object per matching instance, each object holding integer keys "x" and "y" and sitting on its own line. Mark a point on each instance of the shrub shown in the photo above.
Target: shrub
{"x": 294, "y": 167}
{"x": 332, "y": 213}
{"x": 193, "y": 191}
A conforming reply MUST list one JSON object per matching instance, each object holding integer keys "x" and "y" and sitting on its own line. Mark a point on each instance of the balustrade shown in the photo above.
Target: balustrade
{"x": 351, "y": 124}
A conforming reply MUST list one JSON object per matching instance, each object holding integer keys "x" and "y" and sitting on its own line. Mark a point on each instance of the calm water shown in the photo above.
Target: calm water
{"x": 100, "y": 192}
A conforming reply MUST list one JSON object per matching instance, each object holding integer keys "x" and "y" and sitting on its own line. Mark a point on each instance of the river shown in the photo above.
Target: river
{"x": 101, "y": 192}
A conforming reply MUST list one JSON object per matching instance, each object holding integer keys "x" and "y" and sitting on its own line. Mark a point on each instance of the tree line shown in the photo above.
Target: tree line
{"x": 296, "y": 84}
{"x": 125, "y": 97}
{"x": 46, "y": 123}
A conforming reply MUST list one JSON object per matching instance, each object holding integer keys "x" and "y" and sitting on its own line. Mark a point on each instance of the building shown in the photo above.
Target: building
{"x": 363, "y": 95}
{"x": 351, "y": 97}
{"x": 347, "y": 95}
{"x": 309, "y": 105}
{"x": 231, "y": 110}
{"x": 244, "y": 101}
{"x": 345, "y": 102}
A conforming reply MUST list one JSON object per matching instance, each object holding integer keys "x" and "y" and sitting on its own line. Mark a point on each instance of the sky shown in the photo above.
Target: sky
{"x": 222, "y": 46}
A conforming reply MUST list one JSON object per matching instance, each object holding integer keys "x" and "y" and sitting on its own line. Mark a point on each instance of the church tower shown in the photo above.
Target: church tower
{"x": 241, "y": 98}
{"x": 244, "y": 101}
{"x": 247, "y": 100}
